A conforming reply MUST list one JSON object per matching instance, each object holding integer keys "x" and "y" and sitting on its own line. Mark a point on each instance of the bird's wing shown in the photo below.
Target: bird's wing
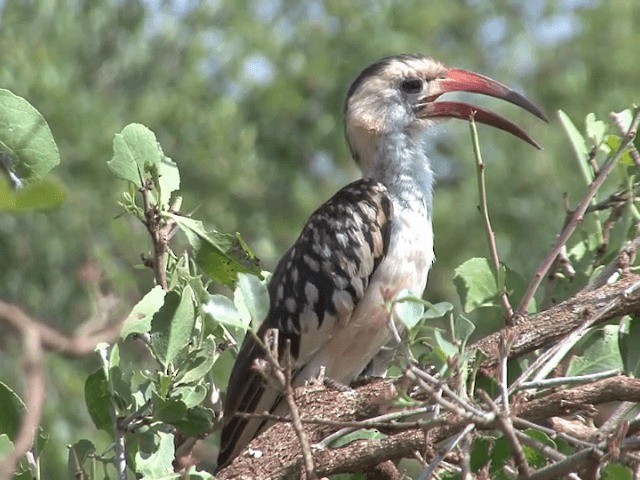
{"x": 314, "y": 289}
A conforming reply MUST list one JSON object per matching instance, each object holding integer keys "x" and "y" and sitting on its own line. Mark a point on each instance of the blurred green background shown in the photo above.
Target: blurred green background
{"x": 246, "y": 96}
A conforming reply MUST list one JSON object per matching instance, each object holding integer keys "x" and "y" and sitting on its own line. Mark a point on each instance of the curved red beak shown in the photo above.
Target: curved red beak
{"x": 457, "y": 80}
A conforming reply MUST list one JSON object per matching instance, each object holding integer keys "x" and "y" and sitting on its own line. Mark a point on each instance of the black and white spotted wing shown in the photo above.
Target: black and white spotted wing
{"x": 314, "y": 290}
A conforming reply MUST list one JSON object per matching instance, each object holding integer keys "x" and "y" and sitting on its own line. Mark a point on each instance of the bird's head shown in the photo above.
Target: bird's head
{"x": 397, "y": 95}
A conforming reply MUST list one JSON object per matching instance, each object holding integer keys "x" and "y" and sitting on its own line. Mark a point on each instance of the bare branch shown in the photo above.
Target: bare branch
{"x": 531, "y": 333}
{"x": 578, "y": 214}
{"x": 51, "y": 339}
{"x": 484, "y": 212}
{"x": 34, "y": 400}
{"x": 38, "y": 337}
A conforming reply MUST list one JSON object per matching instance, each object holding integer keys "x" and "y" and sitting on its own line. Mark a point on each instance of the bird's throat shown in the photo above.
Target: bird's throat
{"x": 399, "y": 162}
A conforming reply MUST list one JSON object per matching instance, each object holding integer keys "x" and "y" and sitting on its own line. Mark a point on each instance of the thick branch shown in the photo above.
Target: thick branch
{"x": 531, "y": 333}
{"x": 53, "y": 340}
{"x": 38, "y": 337}
{"x": 281, "y": 450}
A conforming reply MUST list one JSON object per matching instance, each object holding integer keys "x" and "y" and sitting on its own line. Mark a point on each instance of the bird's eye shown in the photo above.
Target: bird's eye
{"x": 412, "y": 85}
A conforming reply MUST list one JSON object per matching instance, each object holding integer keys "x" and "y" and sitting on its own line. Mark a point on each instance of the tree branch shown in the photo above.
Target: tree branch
{"x": 531, "y": 333}
{"x": 281, "y": 447}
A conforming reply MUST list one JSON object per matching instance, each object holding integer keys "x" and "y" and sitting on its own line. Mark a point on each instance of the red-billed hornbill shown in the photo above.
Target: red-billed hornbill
{"x": 373, "y": 234}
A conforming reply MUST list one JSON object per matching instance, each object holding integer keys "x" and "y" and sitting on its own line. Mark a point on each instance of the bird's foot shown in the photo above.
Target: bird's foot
{"x": 336, "y": 385}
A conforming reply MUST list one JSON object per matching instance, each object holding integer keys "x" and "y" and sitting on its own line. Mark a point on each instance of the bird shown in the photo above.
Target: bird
{"x": 327, "y": 293}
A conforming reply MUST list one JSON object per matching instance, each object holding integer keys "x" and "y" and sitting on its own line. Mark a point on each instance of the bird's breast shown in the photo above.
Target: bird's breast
{"x": 405, "y": 267}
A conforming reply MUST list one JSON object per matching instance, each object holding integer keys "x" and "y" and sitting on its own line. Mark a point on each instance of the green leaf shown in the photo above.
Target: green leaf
{"x": 168, "y": 410}
{"x": 172, "y": 325}
{"x": 362, "y": 434}
{"x": 629, "y": 339}
{"x": 476, "y": 284}
{"x": 199, "y": 362}
{"x": 26, "y": 137}
{"x": 193, "y": 421}
{"x": 197, "y": 421}
{"x": 221, "y": 256}
{"x": 97, "y": 396}
{"x": 479, "y": 454}
{"x": 409, "y": 309}
{"x": 135, "y": 152}
{"x": 616, "y": 471}
{"x": 464, "y": 328}
{"x": 579, "y": 146}
{"x": 224, "y": 311}
{"x": 6, "y": 445}
{"x": 79, "y": 453}
{"x": 41, "y": 441}
{"x": 221, "y": 369}
{"x": 600, "y": 352}
{"x": 444, "y": 349}
{"x": 533, "y": 456}
{"x": 191, "y": 396}
{"x": 614, "y": 142}
{"x": 595, "y": 129}
{"x": 155, "y": 455}
{"x": 12, "y": 411}
{"x": 139, "y": 320}
{"x": 168, "y": 179}
{"x": 252, "y": 295}
{"x": 36, "y": 195}
{"x": 438, "y": 310}
{"x": 499, "y": 456}
{"x": 114, "y": 356}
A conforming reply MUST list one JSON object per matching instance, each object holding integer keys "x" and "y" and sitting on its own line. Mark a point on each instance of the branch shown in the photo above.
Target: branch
{"x": 34, "y": 399}
{"x": 38, "y": 337}
{"x": 281, "y": 450}
{"x": 531, "y": 333}
{"x": 281, "y": 447}
{"x": 484, "y": 211}
{"x": 578, "y": 214}
{"x": 53, "y": 340}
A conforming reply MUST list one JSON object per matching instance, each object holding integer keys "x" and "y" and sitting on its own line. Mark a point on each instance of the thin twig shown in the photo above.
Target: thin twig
{"x": 566, "y": 466}
{"x": 120, "y": 457}
{"x": 465, "y": 457}
{"x": 53, "y": 340}
{"x": 570, "y": 439}
{"x": 618, "y": 415}
{"x": 152, "y": 222}
{"x": 578, "y": 214}
{"x": 386, "y": 421}
{"x": 546, "y": 450}
{"x": 38, "y": 337}
{"x": 508, "y": 431}
{"x": 438, "y": 384}
{"x": 449, "y": 446}
{"x": 295, "y": 415}
{"x": 461, "y": 411}
{"x": 484, "y": 212}
{"x": 503, "y": 352}
{"x": 282, "y": 374}
{"x": 565, "y": 381}
{"x": 627, "y": 251}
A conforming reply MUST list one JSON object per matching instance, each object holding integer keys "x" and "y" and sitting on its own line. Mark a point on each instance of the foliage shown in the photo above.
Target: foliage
{"x": 249, "y": 143}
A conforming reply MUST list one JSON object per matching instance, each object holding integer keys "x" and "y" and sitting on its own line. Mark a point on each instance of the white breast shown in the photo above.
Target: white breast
{"x": 355, "y": 342}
